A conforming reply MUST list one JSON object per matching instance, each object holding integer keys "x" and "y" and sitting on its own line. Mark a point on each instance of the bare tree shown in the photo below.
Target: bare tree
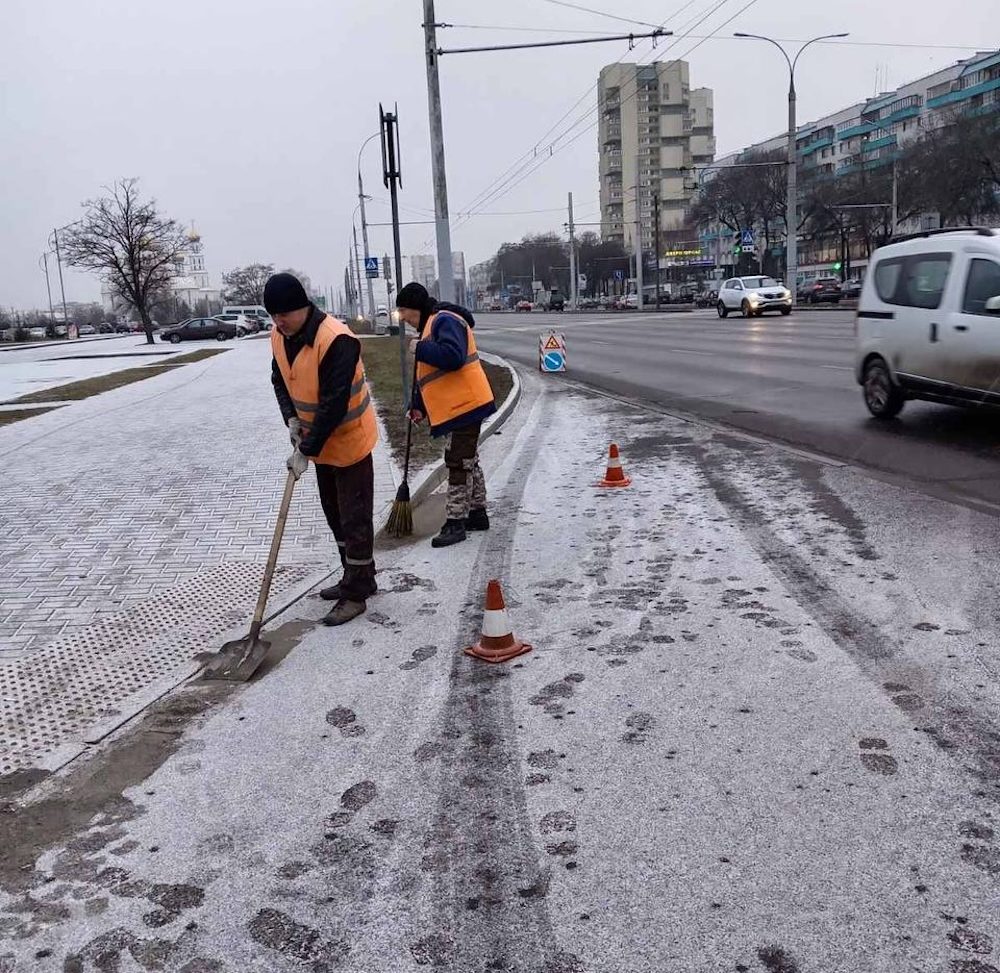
{"x": 245, "y": 285}
{"x": 135, "y": 248}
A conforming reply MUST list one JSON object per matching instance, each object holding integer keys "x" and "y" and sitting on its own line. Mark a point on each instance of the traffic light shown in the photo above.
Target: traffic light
{"x": 737, "y": 249}
{"x": 837, "y": 267}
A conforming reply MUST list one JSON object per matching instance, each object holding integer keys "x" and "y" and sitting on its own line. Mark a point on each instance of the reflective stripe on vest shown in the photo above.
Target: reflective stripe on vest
{"x": 449, "y": 395}
{"x": 356, "y": 434}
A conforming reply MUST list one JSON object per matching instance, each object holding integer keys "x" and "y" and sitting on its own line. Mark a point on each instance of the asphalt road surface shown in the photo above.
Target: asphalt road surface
{"x": 788, "y": 379}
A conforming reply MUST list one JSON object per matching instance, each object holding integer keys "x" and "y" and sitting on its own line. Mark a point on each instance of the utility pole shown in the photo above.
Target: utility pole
{"x": 638, "y": 238}
{"x": 895, "y": 196}
{"x": 357, "y": 264}
{"x": 392, "y": 179}
{"x": 364, "y": 240}
{"x": 353, "y": 292}
{"x": 62, "y": 289}
{"x": 446, "y": 273}
{"x": 656, "y": 243}
{"x": 573, "y": 279}
{"x": 45, "y": 259}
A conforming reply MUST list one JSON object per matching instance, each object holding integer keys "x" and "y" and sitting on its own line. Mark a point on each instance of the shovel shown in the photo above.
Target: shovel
{"x": 238, "y": 660}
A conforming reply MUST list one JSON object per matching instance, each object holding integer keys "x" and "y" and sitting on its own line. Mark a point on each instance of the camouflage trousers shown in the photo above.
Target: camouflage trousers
{"x": 466, "y": 483}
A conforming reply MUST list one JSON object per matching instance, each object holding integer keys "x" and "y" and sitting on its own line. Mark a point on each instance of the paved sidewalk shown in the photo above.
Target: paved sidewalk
{"x": 133, "y": 531}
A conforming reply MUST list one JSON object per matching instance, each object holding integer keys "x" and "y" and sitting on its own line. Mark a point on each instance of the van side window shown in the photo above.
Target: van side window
{"x": 887, "y": 278}
{"x": 916, "y": 281}
{"x": 982, "y": 283}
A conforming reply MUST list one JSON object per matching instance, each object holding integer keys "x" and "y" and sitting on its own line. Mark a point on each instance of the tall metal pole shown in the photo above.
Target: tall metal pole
{"x": 357, "y": 264}
{"x": 392, "y": 178}
{"x": 573, "y": 279}
{"x": 353, "y": 294}
{"x": 656, "y": 243}
{"x": 364, "y": 222}
{"x": 895, "y": 197}
{"x": 792, "y": 200}
{"x": 638, "y": 240}
{"x": 62, "y": 289}
{"x": 446, "y": 273}
{"x": 48, "y": 289}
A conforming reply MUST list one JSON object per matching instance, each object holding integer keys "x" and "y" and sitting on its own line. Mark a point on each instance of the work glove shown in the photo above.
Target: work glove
{"x": 297, "y": 463}
{"x": 295, "y": 431}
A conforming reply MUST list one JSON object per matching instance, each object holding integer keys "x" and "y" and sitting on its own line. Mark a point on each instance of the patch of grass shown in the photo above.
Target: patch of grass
{"x": 381, "y": 358}
{"x": 16, "y": 415}
{"x": 105, "y": 383}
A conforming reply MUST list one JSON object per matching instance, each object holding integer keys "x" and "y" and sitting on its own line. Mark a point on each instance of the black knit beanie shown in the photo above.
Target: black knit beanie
{"x": 415, "y": 297}
{"x": 284, "y": 293}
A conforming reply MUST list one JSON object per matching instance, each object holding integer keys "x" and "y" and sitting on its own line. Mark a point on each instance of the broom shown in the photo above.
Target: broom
{"x": 400, "y": 522}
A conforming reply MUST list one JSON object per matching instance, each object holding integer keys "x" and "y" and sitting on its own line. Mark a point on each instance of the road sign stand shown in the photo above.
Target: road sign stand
{"x": 552, "y": 352}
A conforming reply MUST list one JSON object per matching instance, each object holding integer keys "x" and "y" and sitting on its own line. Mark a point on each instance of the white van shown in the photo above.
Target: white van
{"x": 928, "y": 322}
{"x": 254, "y": 311}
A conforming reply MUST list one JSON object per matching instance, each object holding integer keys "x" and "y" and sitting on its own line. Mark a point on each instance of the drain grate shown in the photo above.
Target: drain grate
{"x": 52, "y": 695}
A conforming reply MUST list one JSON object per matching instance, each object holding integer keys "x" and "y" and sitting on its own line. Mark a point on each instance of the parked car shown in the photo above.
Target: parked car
{"x": 822, "y": 290}
{"x": 36, "y": 332}
{"x": 87, "y": 329}
{"x": 753, "y": 296}
{"x": 496, "y": 306}
{"x": 706, "y": 299}
{"x": 122, "y": 328}
{"x": 524, "y": 306}
{"x": 195, "y": 329}
{"x": 244, "y": 325}
{"x": 381, "y": 311}
{"x": 851, "y": 288}
{"x": 928, "y": 322}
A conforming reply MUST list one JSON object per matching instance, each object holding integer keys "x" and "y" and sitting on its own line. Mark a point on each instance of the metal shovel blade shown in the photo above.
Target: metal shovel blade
{"x": 238, "y": 660}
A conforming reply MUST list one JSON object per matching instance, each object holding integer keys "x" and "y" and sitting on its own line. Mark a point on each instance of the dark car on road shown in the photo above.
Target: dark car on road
{"x": 557, "y": 302}
{"x": 822, "y": 290}
{"x": 199, "y": 329}
{"x": 851, "y": 289}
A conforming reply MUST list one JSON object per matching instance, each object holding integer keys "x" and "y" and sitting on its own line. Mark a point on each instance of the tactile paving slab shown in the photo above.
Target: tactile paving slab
{"x": 56, "y": 693}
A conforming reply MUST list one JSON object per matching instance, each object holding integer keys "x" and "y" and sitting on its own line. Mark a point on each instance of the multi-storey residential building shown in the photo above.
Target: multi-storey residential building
{"x": 423, "y": 269}
{"x": 651, "y": 128}
{"x": 867, "y": 136}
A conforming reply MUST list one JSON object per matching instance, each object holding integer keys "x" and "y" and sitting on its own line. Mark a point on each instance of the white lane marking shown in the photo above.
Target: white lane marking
{"x": 842, "y": 368}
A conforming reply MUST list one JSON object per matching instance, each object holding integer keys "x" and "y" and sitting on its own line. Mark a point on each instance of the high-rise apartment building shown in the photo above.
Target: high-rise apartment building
{"x": 652, "y": 128}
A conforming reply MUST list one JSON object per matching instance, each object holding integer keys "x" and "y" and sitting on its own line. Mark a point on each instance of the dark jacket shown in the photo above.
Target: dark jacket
{"x": 336, "y": 375}
{"x": 446, "y": 347}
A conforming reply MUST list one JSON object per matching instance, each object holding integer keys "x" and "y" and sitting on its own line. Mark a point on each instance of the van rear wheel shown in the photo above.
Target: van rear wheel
{"x": 884, "y": 399}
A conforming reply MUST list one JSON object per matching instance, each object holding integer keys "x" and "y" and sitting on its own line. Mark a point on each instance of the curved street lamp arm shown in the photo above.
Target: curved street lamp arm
{"x": 770, "y": 40}
{"x": 815, "y": 40}
{"x": 363, "y": 144}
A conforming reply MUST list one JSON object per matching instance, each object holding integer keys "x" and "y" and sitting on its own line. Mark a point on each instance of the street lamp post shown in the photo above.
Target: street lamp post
{"x": 357, "y": 260}
{"x": 364, "y": 224}
{"x": 45, "y": 267}
{"x": 792, "y": 202}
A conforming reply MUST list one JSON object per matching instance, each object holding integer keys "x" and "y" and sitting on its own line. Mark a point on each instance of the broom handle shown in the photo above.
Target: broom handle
{"x": 409, "y": 425}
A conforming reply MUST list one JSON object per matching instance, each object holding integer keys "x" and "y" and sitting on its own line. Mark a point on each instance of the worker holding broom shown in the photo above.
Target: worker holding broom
{"x": 319, "y": 381}
{"x": 453, "y": 392}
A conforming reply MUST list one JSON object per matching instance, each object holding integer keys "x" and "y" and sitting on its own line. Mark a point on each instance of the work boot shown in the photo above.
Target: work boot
{"x": 477, "y": 519}
{"x": 453, "y": 532}
{"x": 344, "y": 611}
{"x": 335, "y": 593}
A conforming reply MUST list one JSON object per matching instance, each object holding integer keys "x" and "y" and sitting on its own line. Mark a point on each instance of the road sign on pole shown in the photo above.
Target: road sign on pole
{"x": 746, "y": 238}
{"x": 619, "y": 275}
{"x": 552, "y": 352}
{"x": 371, "y": 266}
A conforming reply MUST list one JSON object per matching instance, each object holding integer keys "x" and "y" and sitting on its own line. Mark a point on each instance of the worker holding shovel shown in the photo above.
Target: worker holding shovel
{"x": 319, "y": 381}
{"x": 454, "y": 393}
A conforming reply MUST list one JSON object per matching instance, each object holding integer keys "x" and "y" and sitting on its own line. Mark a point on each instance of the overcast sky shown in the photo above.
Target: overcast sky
{"x": 246, "y": 116}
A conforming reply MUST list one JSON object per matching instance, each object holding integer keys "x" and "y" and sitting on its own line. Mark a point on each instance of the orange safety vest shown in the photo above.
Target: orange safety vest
{"x": 356, "y": 435}
{"x": 449, "y": 395}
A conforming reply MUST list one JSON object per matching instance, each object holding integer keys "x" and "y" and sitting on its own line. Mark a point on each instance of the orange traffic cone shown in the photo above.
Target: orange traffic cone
{"x": 615, "y": 476}
{"x": 497, "y": 643}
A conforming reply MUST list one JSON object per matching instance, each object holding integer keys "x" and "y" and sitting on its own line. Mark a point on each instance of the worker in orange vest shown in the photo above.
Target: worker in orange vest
{"x": 319, "y": 381}
{"x": 453, "y": 392}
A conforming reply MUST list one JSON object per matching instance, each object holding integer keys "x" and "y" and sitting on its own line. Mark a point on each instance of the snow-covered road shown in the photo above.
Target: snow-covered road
{"x": 758, "y": 731}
